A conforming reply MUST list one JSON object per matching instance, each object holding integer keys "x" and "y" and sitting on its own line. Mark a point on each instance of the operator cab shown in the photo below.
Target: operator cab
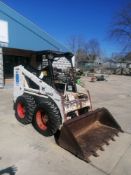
{"x": 56, "y": 69}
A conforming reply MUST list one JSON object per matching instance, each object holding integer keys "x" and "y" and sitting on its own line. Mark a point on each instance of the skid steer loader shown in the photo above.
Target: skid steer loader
{"x": 48, "y": 98}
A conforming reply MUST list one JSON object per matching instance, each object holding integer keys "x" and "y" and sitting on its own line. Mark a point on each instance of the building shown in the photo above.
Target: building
{"x": 89, "y": 64}
{"x": 18, "y": 32}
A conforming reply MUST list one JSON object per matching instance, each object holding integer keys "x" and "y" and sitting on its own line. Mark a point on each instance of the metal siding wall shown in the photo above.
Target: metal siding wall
{"x": 1, "y": 69}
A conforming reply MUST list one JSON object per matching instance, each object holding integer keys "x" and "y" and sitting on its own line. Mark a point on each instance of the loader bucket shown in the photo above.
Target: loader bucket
{"x": 87, "y": 133}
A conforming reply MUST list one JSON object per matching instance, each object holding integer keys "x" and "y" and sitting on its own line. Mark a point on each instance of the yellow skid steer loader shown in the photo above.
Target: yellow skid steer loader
{"x": 47, "y": 97}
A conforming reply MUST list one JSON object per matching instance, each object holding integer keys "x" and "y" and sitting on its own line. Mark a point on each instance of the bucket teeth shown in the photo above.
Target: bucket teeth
{"x": 117, "y": 134}
{"x": 87, "y": 160}
{"x": 113, "y": 139}
{"x": 95, "y": 154}
{"x": 102, "y": 149}
{"x": 107, "y": 143}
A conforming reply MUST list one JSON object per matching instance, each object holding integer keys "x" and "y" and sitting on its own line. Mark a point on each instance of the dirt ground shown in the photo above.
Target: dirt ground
{"x": 23, "y": 151}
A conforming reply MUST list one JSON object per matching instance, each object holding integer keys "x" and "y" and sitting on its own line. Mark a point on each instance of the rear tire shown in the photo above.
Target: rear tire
{"x": 47, "y": 118}
{"x": 24, "y": 108}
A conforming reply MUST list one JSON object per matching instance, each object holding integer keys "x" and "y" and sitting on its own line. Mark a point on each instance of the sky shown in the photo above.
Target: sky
{"x": 64, "y": 18}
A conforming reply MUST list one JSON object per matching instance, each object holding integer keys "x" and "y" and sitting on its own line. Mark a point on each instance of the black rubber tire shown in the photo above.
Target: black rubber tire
{"x": 29, "y": 105}
{"x": 53, "y": 114}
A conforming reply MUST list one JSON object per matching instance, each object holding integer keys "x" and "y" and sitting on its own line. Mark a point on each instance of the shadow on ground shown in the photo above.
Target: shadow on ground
{"x": 10, "y": 170}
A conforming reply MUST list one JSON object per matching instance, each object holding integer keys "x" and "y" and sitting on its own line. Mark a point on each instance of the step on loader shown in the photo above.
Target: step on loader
{"x": 46, "y": 95}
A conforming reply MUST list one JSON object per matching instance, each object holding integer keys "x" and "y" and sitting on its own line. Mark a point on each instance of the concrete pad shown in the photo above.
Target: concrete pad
{"x": 115, "y": 95}
{"x": 31, "y": 153}
{"x": 112, "y": 154}
{"x": 121, "y": 111}
{"x": 124, "y": 165}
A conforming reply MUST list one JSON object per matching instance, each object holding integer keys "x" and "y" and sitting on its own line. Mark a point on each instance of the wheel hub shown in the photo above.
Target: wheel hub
{"x": 21, "y": 110}
{"x": 41, "y": 119}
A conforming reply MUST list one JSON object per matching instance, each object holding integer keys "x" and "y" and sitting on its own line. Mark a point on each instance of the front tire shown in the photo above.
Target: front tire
{"x": 47, "y": 118}
{"x": 24, "y": 108}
